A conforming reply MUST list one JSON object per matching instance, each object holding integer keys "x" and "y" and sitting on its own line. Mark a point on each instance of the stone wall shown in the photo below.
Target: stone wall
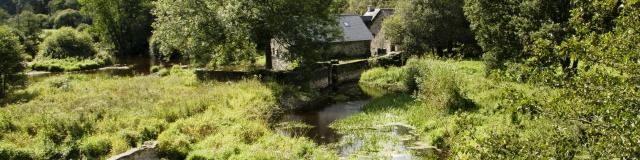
{"x": 322, "y": 75}
{"x": 146, "y": 152}
{"x": 349, "y": 49}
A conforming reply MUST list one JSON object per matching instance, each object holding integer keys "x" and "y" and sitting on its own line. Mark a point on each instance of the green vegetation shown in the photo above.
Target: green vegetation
{"x": 11, "y": 69}
{"x": 66, "y": 43}
{"x": 213, "y": 33}
{"x": 66, "y": 49}
{"x": 67, "y": 18}
{"x": 125, "y": 25}
{"x": 466, "y": 115}
{"x": 89, "y": 117}
{"x": 68, "y": 64}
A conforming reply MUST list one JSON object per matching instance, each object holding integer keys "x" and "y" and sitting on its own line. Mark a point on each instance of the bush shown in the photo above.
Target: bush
{"x": 95, "y": 146}
{"x": 11, "y": 67}
{"x": 393, "y": 78}
{"x": 66, "y": 43}
{"x": 13, "y": 152}
{"x": 68, "y": 64}
{"x": 67, "y": 18}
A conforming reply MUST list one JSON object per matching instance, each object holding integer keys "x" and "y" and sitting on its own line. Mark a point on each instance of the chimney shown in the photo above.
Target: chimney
{"x": 370, "y": 8}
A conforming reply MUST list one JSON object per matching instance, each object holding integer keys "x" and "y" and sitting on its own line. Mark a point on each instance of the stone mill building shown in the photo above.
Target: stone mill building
{"x": 362, "y": 37}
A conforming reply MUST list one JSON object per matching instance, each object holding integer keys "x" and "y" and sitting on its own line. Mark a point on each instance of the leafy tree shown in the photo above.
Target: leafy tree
{"x": 67, "y": 18}
{"x": 126, "y": 24}
{"x": 67, "y": 43}
{"x": 28, "y": 26}
{"x": 221, "y": 33}
{"x": 11, "y": 67}
{"x": 3, "y": 15}
{"x": 434, "y": 24}
{"x": 503, "y": 28}
{"x": 57, "y": 5}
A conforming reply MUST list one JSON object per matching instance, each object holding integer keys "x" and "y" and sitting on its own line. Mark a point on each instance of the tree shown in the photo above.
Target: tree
{"x": 67, "y": 18}
{"x": 435, "y": 25}
{"x": 221, "y": 33}
{"x": 56, "y": 5}
{"x": 28, "y": 26}
{"x": 11, "y": 67}
{"x": 3, "y": 16}
{"x": 126, "y": 24}
{"x": 67, "y": 43}
{"x": 504, "y": 28}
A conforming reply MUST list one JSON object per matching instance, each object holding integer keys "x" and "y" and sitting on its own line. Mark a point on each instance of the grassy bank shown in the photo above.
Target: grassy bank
{"x": 458, "y": 113}
{"x": 75, "y": 117}
{"x": 68, "y": 65}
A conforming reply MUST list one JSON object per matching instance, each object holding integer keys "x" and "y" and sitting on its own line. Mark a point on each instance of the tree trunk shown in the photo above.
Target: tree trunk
{"x": 440, "y": 51}
{"x": 268, "y": 57}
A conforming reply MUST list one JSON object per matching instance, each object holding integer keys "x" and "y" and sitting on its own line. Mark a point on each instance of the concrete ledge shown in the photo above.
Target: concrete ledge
{"x": 146, "y": 152}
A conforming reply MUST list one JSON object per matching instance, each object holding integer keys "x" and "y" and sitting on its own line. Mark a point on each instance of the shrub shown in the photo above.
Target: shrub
{"x": 68, "y": 64}
{"x": 95, "y": 146}
{"x": 438, "y": 87}
{"x": 12, "y": 152}
{"x": 67, "y": 43}
{"x": 67, "y": 18}
{"x": 11, "y": 67}
{"x": 391, "y": 78}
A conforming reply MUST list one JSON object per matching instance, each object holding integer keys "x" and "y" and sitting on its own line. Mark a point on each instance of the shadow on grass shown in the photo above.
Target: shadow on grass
{"x": 18, "y": 97}
{"x": 461, "y": 103}
{"x": 389, "y": 101}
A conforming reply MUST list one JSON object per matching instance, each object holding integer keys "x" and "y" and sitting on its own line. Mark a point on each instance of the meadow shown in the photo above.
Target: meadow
{"x": 86, "y": 117}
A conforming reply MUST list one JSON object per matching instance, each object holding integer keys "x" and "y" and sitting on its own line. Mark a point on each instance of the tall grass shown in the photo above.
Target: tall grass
{"x": 77, "y": 116}
{"x": 467, "y": 116}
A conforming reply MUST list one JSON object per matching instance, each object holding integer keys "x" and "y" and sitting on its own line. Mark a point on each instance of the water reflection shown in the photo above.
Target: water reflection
{"x": 320, "y": 120}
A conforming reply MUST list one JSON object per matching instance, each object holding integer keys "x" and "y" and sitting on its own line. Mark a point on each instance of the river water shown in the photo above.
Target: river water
{"x": 314, "y": 124}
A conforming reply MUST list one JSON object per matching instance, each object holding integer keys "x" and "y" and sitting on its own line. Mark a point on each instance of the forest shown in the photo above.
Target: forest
{"x": 476, "y": 79}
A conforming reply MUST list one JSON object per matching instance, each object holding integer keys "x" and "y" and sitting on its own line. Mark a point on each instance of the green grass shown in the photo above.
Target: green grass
{"x": 76, "y": 117}
{"x": 465, "y": 115}
{"x": 67, "y": 65}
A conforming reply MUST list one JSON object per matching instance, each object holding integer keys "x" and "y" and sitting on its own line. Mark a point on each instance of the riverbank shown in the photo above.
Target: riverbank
{"x": 80, "y": 116}
{"x": 455, "y": 111}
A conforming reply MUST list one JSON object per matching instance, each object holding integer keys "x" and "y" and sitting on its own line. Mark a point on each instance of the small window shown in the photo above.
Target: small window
{"x": 346, "y": 24}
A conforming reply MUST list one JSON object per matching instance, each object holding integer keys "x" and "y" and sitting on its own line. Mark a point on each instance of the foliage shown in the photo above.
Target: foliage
{"x": 215, "y": 34}
{"x": 66, "y": 43}
{"x": 392, "y": 78}
{"x": 435, "y": 25}
{"x": 28, "y": 25}
{"x": 57, "y": 5}
{"x": 359, "y": 7}
{"x": 464, "y": 115}
{"x": 505, "y": 28}
{"x": 67, "y": 18}
{"x": 68, "y": 64}
{"x": 95, "y": 146}
{"x": 126, "y": 24}
{"x": 3, "y": 16}
{"x": 11, "y": 68}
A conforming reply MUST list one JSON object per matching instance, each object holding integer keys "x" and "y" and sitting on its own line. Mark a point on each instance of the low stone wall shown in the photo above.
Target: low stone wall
{"x": 323, "y": 75}
{"x": 146, "y": 152}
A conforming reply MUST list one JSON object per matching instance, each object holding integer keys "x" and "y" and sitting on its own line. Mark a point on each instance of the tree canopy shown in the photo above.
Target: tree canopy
{"x": 11, "y": 67}
{"x": 222, "y": 33}
{"x": 126, "y": 24}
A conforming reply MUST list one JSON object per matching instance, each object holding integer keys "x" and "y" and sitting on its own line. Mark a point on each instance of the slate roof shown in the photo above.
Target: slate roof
{"x": 354, "y": 29}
